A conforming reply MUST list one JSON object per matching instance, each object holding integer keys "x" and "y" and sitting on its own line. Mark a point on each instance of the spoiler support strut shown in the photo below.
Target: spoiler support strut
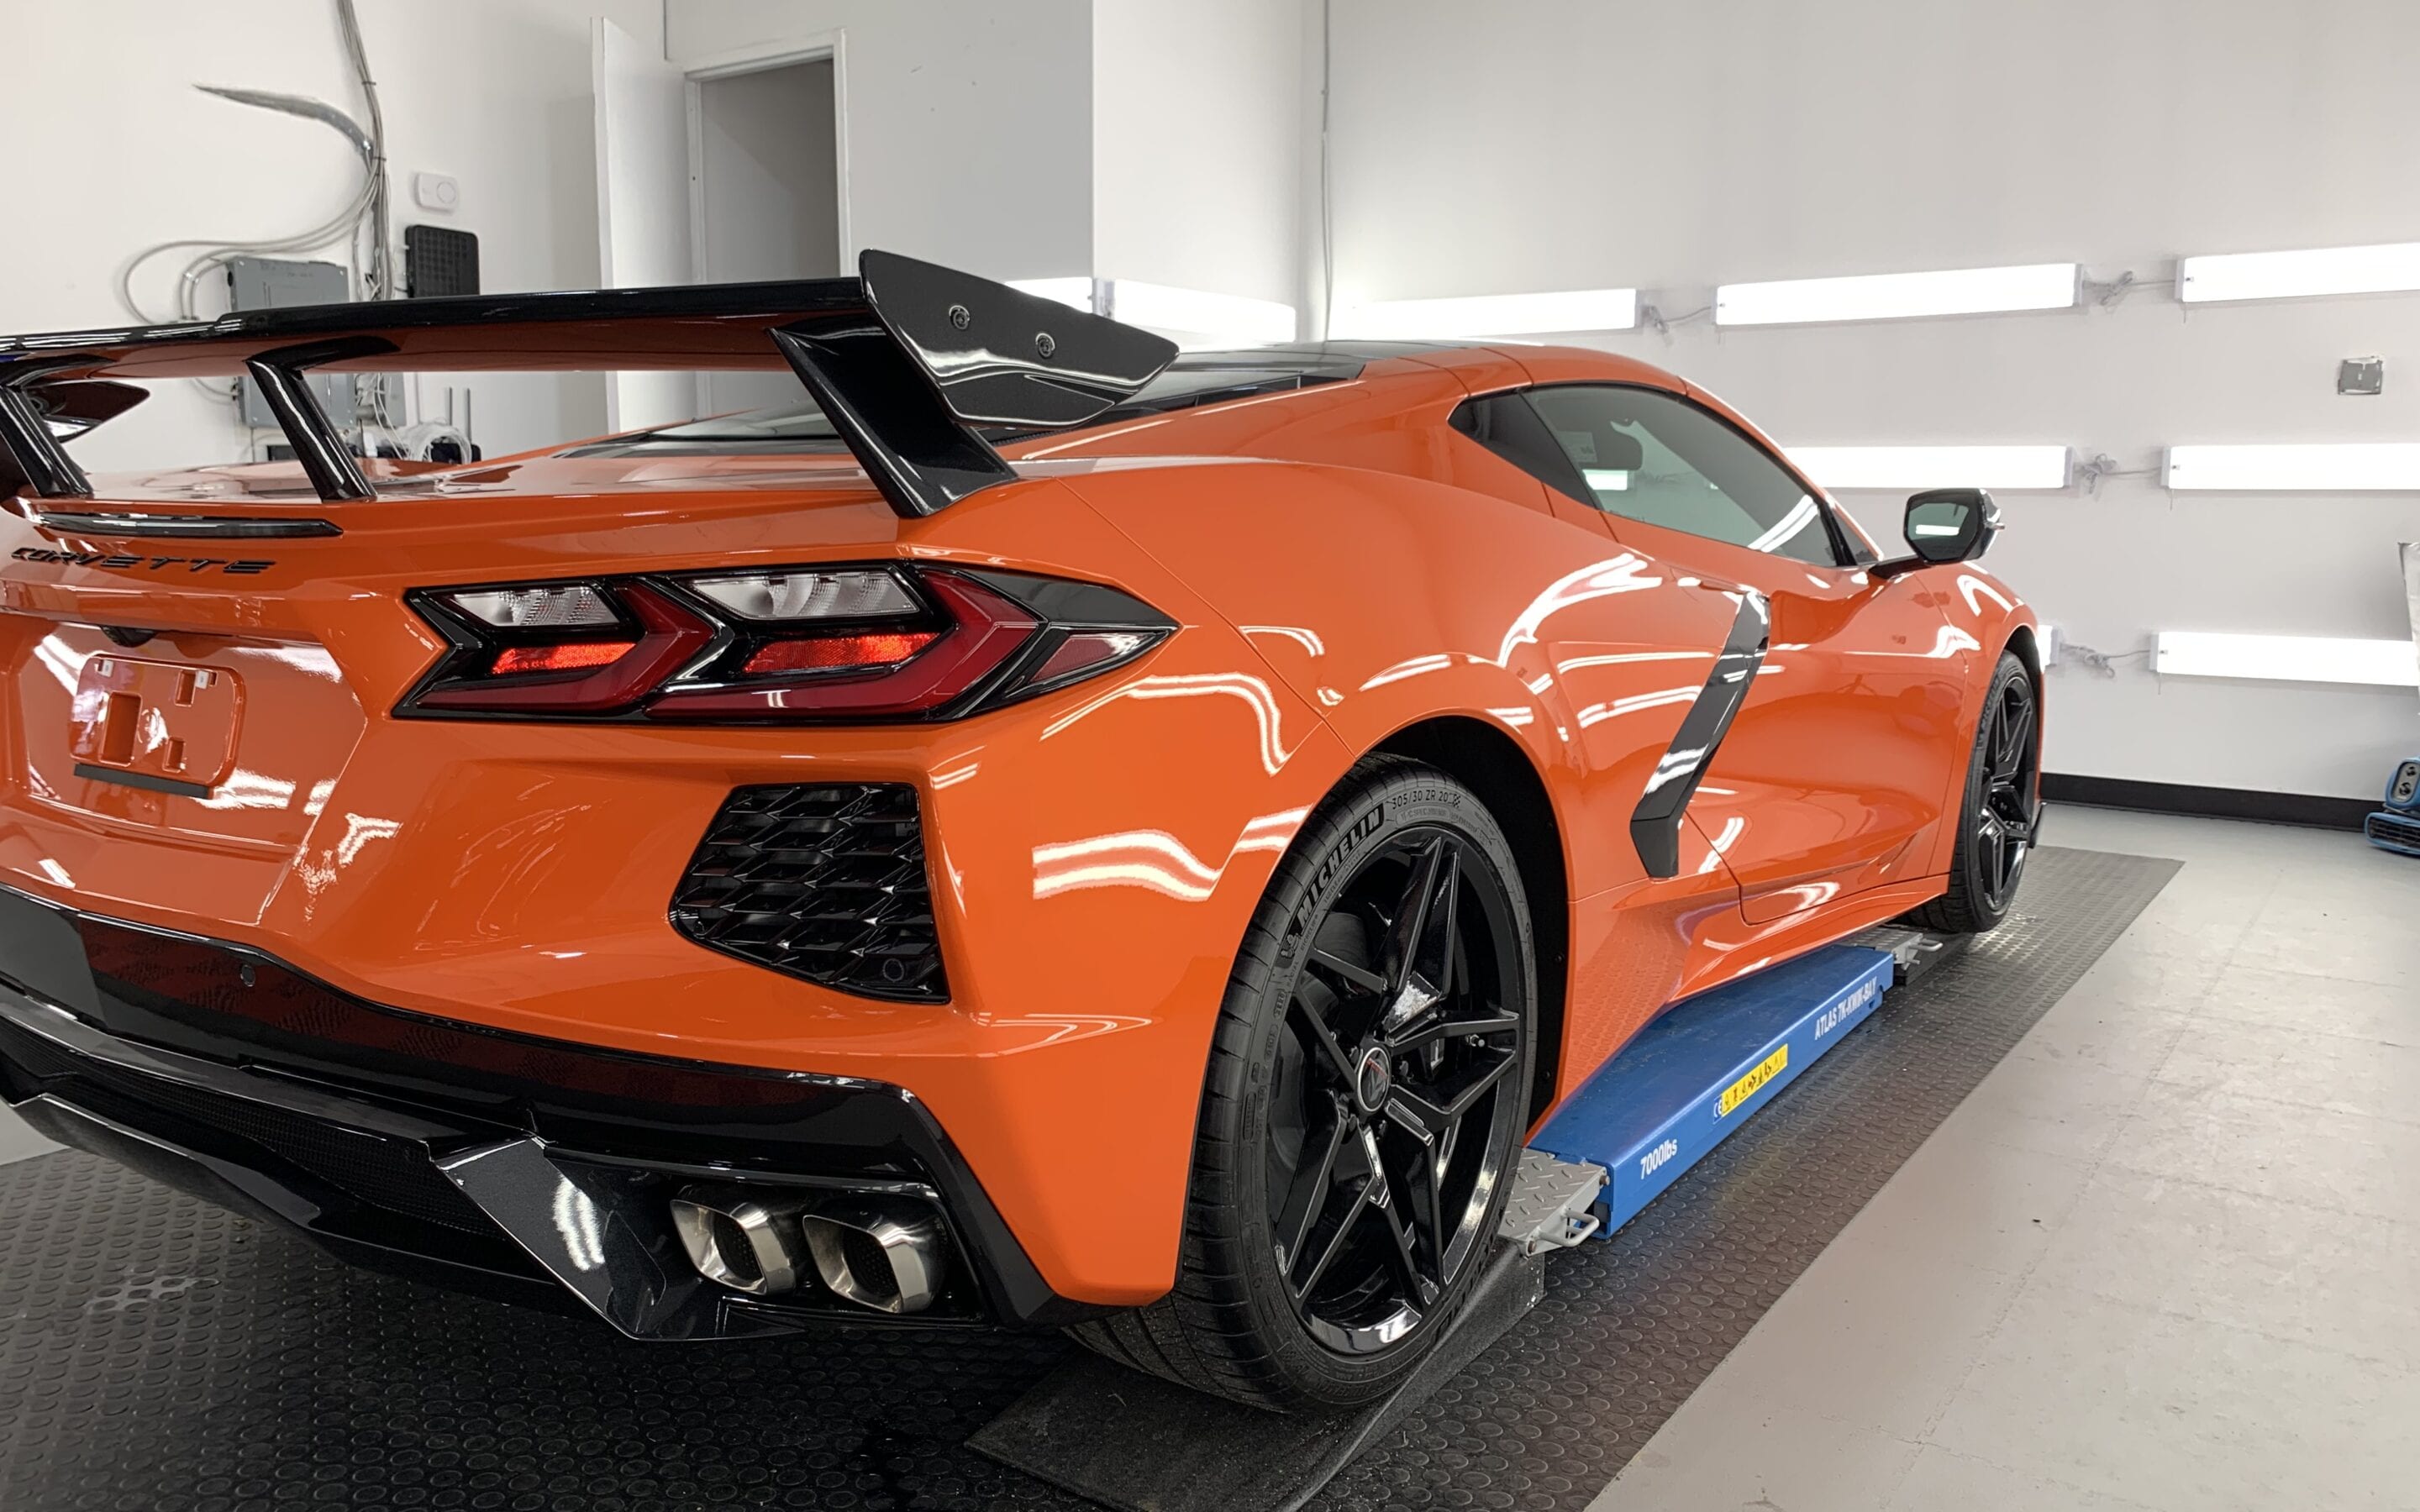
{"x": 317, "y": 445}
{"x": 26, "y": 436}
{"x": 907, "y": 358}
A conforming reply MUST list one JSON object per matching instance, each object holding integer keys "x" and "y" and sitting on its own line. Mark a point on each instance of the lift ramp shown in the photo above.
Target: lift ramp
{"x": 1703, "y": 1069}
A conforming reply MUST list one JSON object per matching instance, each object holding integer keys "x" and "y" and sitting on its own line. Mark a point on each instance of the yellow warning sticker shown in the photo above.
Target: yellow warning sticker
{"x": 1750, "y": 1085}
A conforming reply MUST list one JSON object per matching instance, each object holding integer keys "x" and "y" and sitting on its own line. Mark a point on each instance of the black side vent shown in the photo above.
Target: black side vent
{"x": 825, "y": 883}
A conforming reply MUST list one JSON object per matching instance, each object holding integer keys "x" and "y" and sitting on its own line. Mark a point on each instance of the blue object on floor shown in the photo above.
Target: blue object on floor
{"x": 1705, "y": 1066}
{"x": 2396, "y": 826}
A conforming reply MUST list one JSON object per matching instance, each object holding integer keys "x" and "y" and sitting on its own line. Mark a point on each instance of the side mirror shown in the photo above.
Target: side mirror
{"x": 1946, "y": 525}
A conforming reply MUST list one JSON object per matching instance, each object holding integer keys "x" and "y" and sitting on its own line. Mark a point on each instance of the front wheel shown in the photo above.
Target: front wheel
{"x": 1368, "y": 1084}
{"x": 1999, "y": 812}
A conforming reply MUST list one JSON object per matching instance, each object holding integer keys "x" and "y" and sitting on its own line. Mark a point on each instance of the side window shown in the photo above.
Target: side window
{"x": 1651, "y": 456}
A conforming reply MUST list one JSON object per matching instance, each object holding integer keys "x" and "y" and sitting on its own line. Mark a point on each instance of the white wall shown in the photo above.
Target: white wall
{"x": 1672, "y": 146}
{"x": 969, "y": 124}
{"x": 495, "y": 92}
{"x": 1197, "y": 144}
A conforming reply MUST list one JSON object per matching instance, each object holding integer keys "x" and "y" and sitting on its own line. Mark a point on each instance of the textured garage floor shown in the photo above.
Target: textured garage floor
{"x": 2214, "y": 1309}
{"x": 2167, "y": 1256}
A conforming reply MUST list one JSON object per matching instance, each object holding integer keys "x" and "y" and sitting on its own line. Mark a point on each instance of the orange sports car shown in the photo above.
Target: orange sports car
{"x": 1044, "y": 830}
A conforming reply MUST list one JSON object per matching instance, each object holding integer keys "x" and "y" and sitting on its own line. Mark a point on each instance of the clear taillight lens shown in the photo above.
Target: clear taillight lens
{"x": 887, "y": 641}
{"x": 555, "y": 606}
{"x": 849, "y": 595}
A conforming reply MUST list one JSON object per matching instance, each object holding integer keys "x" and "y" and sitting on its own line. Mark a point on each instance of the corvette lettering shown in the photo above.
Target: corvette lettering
{"x": 128, "y": 561}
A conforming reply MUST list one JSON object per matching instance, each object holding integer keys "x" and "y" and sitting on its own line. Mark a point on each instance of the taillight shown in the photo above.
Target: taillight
{"x": 855, "y": 642}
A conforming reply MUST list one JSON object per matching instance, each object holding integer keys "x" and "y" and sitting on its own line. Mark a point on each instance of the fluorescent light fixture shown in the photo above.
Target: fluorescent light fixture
{"x": 1491, "y": 315}
{"x": 2293, "y": 275}
{"x": 2300, "y": 467}
{"x": 1187, "y": 312}
{"x": 1933, "y": 467}
{"x": 1076, "y": 293}
{"x": 2287, "y": 659}
{"x": 1897, "y": 296}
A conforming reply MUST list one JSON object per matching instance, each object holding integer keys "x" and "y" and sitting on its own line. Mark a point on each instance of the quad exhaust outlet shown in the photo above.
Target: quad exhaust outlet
{"x": 888, "y": 1255}
{"x": 748, "y": 1243}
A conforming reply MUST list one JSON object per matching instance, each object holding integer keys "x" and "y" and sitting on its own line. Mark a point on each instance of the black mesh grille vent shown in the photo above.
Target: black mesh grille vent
{"x": 825, "y": 883}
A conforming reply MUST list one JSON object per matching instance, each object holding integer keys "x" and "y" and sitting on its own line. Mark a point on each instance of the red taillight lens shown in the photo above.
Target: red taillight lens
{"x": 986, "y": 629}
{"x": 578, "y": 657}
{"x": 826, "y": 651}
{"x": 851, "y": 643}
{"x": 670, "y": 638}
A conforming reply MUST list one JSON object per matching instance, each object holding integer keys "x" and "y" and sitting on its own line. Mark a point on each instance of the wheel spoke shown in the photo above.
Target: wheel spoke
{"x": 1496, "y": 1021}
{"x": 1410, "y": 929}
{"x": 1308, "y": 1196}
{"x": 1337, "y": 1240}
{"x": 1359, "y": 977}
{"x": 1991, "y": 845}
{"x": 1322, "y": 1043}
{"x": 1479, "y": 1086}
{"x": 1423, "y": 1114}
{"x": 1440, "y": 1157}
{"x": 1432, "y": 956}
{"x": 2017, "y": 734}
{"x": 1421, "y": 1286}
{"x": 1427, "y": 1121}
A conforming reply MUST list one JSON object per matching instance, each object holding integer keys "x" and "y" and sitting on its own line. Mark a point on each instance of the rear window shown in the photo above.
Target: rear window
{"x": 1193, "y": 379}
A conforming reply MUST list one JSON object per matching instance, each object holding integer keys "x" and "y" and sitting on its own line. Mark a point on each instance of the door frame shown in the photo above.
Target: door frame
{"x": 756, "y": 57}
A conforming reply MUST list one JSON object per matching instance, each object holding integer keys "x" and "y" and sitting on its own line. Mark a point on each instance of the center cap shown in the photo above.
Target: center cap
{"x": 1371, "y": 1083}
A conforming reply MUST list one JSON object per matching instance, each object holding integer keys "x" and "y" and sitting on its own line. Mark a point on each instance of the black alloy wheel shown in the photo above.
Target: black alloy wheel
{"x": 1396, "y": 1087}
{"x": 1362, "y": 1109}
{"x": 2000, "y": 812}
{"x": 2004, "y": 820}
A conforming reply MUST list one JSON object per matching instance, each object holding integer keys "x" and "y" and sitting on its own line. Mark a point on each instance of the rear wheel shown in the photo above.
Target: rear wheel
{"x": 1363, "y": 1106}
{"x": 2000, "y": 810}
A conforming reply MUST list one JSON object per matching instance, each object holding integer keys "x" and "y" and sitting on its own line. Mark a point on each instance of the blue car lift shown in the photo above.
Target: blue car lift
{"x": 1687, "y": 1081}
{"x": 1702, "y": 1069}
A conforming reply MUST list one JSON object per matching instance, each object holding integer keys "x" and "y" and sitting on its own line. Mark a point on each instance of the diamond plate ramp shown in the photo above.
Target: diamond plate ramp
{"x": 159, "y": 1355}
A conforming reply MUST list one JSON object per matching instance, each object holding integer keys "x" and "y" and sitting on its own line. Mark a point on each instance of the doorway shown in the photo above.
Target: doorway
{"x": 763, "y": 196}
{"x": 731, "y": 169}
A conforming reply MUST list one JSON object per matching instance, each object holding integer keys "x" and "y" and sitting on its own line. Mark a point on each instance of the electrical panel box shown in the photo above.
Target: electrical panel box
{"x": 439, "y": 259}
{"x": 273, "y": 283}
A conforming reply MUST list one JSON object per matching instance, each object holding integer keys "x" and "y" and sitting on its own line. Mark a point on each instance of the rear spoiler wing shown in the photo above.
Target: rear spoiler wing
{"x": 905, "y": 360}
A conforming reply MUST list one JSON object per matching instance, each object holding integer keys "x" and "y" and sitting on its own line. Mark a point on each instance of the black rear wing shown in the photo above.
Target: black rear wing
{"x": 905, "y": 360}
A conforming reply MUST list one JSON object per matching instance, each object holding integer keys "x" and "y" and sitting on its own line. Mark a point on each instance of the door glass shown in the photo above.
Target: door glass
{"x": 1653, "y": 457}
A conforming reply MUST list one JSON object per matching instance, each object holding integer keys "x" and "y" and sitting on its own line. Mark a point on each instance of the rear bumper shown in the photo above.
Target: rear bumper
{"x": 505, "y": 1164}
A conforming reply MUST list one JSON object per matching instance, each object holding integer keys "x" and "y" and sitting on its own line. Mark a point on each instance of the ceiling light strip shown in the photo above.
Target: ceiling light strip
{"x": 2296, "y": 467}
{"x": 1898, "y": 296}
{"x": 2289, "y": 658}
{"x": 1934, "y": 467}
{"x": 2390, "y": 268}
{"x": 1490, "y": 314}
{"x": 1221, "y": 318}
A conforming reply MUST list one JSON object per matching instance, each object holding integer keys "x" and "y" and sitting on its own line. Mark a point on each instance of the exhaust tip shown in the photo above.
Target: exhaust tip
{"x": 891, "y": 1258}
{"x": 747, "y": 1243}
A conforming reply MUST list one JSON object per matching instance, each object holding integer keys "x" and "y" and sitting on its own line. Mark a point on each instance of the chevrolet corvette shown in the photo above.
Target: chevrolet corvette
{"x": 1044, "y": 830}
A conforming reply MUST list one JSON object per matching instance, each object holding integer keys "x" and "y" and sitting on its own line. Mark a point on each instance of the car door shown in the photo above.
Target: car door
{"x": 1835, "y": 773}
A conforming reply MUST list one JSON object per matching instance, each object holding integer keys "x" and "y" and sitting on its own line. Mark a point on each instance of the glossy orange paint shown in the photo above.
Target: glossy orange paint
{"x": 1342, "y": 566}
